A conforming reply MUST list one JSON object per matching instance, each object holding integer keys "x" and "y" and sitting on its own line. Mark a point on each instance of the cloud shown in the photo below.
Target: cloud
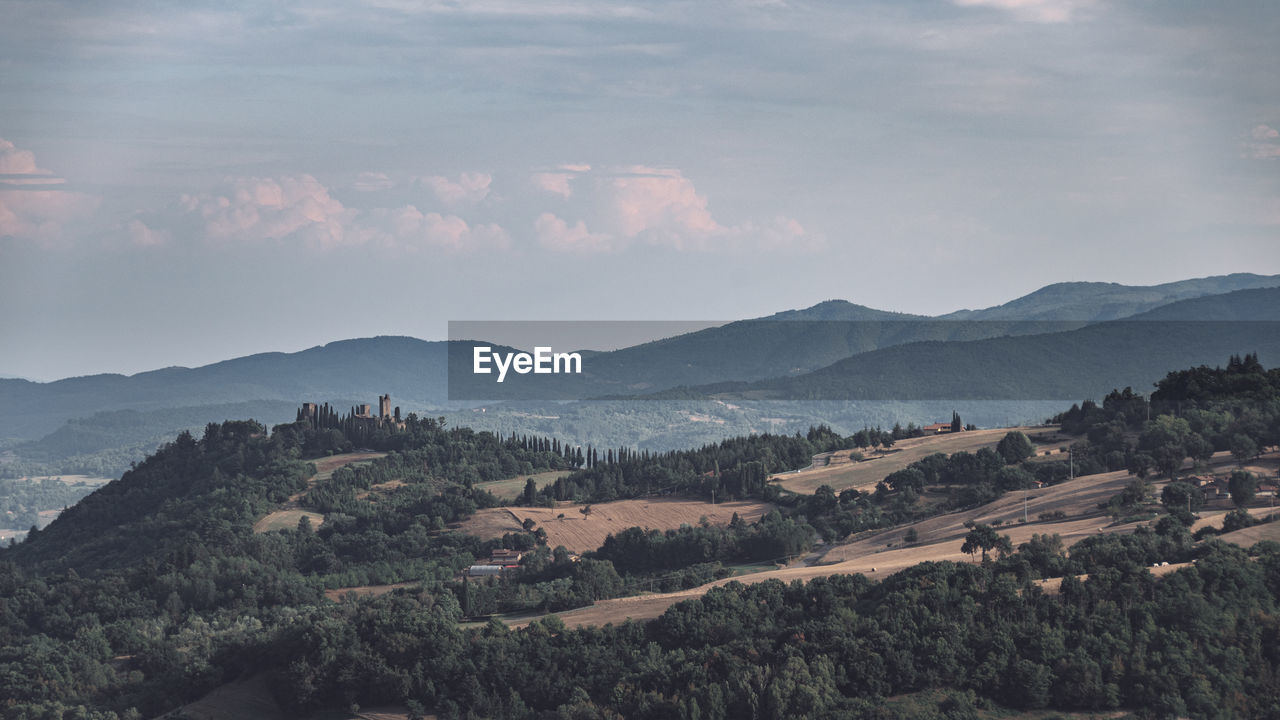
{"x": 1263, "y": 143}
{"x": 654, "y": 206}
{"x": 32, "y": 211}
{"x": 557, "y": 183}
{"x": 408, "y": 227}
{"x": 556, "y": 234}
{"x": 468, "y": 188}
{"x": 373, "y": 181}
{"x": 1264, "y": 132}
{"x": 1041, "y": 11}
{"x": 300, "y": 208}
{"x": 663, "y": 206}
{"x": 143, "y": 235}
{"x": 17, "y": 162}
{"x": 786, "y": 233}
{"x": 259, "y": 209}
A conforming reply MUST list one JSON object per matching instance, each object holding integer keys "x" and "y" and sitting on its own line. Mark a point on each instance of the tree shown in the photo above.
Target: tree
{"x": 1181, "y": 496}
{"x": 908, "y": 478}
{"x": 1243, "y": 448}
{"x": 1237, "y": 520}
{"x": 1015, "y": 447}
{"x": 1243, "y": 487}
{"x": 1135, "y": 494}
{"x": 981, "y": 537}
{"x": 1168, "y": 459}
{"x": 1139, "y": 464}
{"x": 956, "y": 425}
{"x": 1014, "y": 478}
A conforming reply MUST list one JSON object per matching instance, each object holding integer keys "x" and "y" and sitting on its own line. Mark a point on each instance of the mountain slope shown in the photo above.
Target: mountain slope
{"x": 413, "y": 369}
{"x": 1096, "y": 301}
{"x": 1075, "y": 363}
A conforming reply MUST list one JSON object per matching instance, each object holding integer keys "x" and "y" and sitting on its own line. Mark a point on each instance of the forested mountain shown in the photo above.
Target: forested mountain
{"x": 1084, "y": 362}
{"x": 1096, "y": 301}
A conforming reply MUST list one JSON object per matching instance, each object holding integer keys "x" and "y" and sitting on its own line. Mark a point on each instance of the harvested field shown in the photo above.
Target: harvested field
{"x": 580, "y": 533}
{"x": 510, "y": 489}
{"x": 880, "y": 554}
{"x": 1213, "y": 518}
{"x": 287, "y": 516}
{"x": 1078, "y": 500}
{"x": 337, "y": 594}
{"x": 1247, "y": 537}
{"x": 326, "y": 465}
{"x": 1052, "y": 585}
{"x": 382, "y": 489}
{"x": 287, "y": 520}
{"x": 838, "y": 471}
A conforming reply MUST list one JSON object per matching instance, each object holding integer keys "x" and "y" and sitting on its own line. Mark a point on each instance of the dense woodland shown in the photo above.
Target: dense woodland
{"x": 154, "y": 589}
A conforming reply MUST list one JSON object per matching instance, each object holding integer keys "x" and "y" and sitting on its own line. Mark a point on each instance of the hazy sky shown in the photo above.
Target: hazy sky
{"x": 186, "y": 182}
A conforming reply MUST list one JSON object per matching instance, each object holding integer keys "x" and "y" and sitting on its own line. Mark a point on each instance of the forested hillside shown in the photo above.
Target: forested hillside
{"x": 156, "y": 589}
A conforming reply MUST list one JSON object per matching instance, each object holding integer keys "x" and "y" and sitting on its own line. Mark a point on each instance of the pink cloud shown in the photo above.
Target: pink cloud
{"x": 42, "y": 216}
{"x": 657, "y": 206}
{"x": 554, "y": 183}
{"x": 260, "y": 209}
{"x": 663, "y": 205}
{"x": 557, "y": 182}
{"x": 556, "y": 234}
{"x": 408, "y": 227}
{"x": 37, "y": 215}
{"x": 17, "y": 162}
{"x": 1264, "y": 132}
{"x": 469, "y": 187}
{"x": 302, "y": 209}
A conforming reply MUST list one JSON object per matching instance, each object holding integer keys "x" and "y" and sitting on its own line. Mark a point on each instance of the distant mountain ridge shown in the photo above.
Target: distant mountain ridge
{"x": 363, "y": 368}
{"x": 788, "y": 344}
{"x": 1098, "y": 301}
{"x": 1084, "y": 362}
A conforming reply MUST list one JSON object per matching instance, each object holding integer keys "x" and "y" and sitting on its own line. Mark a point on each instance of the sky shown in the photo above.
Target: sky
{"x": 186, "y": 182}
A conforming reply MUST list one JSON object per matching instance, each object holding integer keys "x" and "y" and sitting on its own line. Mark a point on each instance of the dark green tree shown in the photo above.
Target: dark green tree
{"x": 1243, "y": 486}
{"x": 1015, "y": 447}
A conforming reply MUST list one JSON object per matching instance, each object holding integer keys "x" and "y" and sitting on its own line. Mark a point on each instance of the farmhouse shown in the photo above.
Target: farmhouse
{"x": 500, "y": 561}
{"x": 936, "y": 428}
{"x": 505, "y": 558}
